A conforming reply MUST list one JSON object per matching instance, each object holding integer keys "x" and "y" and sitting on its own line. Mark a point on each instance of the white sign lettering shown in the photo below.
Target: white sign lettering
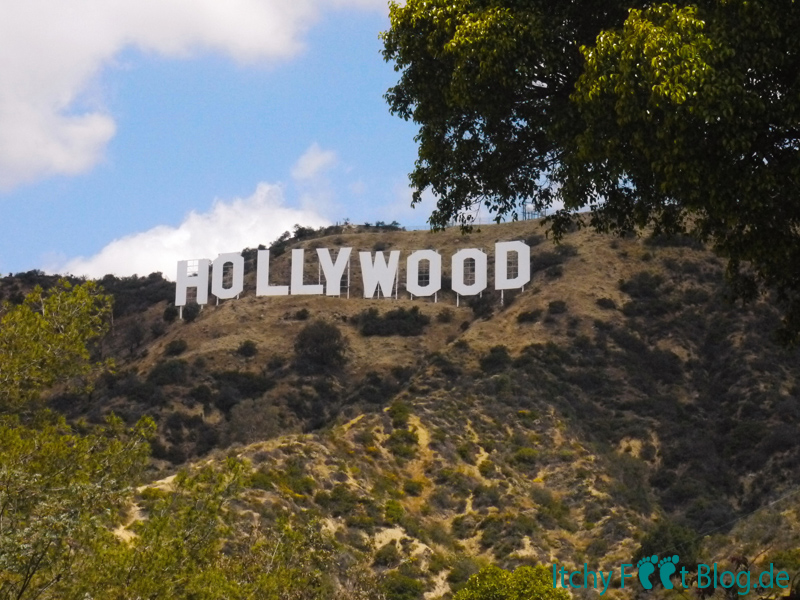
{"x": 469, "y": 272}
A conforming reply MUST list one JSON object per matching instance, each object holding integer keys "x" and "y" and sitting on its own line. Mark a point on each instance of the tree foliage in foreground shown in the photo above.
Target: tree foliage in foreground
{"x": 59, "y": 492}
{"x": 684, "y": 117}
{"x": 524, "y": 583}
{"x": 44, "y": 340}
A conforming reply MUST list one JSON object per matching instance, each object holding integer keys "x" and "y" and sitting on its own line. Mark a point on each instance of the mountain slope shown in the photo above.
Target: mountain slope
{"x": 616, "y": 398}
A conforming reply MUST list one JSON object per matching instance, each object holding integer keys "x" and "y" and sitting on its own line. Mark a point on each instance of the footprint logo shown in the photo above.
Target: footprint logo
{"x": 666, "y": 567}
{"x": 647, "y": 567}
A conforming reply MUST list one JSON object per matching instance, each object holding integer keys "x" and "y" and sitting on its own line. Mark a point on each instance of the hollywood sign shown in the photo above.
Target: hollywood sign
{"x": 379, "y": 275}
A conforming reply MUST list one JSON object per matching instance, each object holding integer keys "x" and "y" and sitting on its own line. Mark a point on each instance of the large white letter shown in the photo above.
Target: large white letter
{"x": 379, "y": 272}
{"x": 501, "y": 250}
{"x": 184, "y": 281}
{"x": 412, "y": 273}
{"x": 481, "y": 278}
{"x": 263, "y": 288}
{"x": 333, "y": 272}
{"x": 298, "y": 287}
{"x": 237, "y": 283}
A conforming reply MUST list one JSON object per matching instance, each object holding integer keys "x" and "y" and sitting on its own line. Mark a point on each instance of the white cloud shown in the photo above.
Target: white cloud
{"x": 51, "y": 53}
{"x": 313, "y": 163}
{"x": 228, "y": 227}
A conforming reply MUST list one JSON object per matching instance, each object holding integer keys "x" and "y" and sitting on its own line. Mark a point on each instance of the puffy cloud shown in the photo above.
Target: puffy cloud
{"x": 228, "y": 227}
{"x": 313, "y": 163}
{"x": 52, "y": 52}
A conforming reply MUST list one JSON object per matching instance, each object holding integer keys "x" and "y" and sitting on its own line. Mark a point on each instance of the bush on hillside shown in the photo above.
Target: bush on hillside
{"x": 400, "y": 321}
{"x": 529, "y": 316}
{"x": 169, "y": 372}
{"x": 642, "y": 285}
{"x": 247, "y": 348}
{"x": 482, "y": 306}
{"x": 248, "y": 385}
{"x": 320, "y": 346}
{"x": 191, "y": 312}
{"x": 176, "y": 347}
{"x": 606, "y": 303}
{"x": 496, "y": 360}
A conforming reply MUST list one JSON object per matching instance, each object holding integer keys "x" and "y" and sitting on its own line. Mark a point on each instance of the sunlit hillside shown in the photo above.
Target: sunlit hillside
{"x": 619, "y": 405}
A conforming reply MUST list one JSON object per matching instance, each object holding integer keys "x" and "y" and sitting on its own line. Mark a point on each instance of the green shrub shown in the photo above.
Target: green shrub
{"x": 530, "y": 316}
{"x": 667, "y": 534}
{"x": 643, "y": 285}
{"x": 545, "y": 260}
{"x": 158, "y": 328}
{"x": 393, "y": 512}
{"x": 247, "y": 348}
{"x": 320, "y": 346}
{"x": 463, "y": 526}
{"x": 463, "y": 568}
{"x": 302, "y": 314}
{"x": 606, "y": 303}
{"x": 402, "y": 443}
{"x": 400, "y": 321}
{"x": 534, "y": 240}
{"x": 486, "y": 496}
{"x": 400, "y": 412}
{"x": 262, "y": 480}
{"x": 170, "y": 372}
{"x": 387, "y": 555}
{"x": 445, "y": 315}
{"x": 557, "y": 307}
{"x": 191, "y": 312}
{"x": 339, "y": 501}
{"x": 248, "y": 385}
{"x": 202, "y": 393}
{"x": 175, "y": 347}
{"x": 170, "y": 313}
{"x": 412, "y": 487}
{"x": 494, "y": 583}
{"x": 364, "y": 437}
{"x": 526, "y": 456}
{"x": 482, "y": 307}
{"x": 496, "y": 360}
{"x": 397, "y": 586}
{"x": 486, "y": 468}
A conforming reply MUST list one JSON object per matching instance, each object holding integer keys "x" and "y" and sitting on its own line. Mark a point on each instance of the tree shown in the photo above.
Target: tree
{"x": 58, "y": 490}
{"x": 44, "y": 340}
{"x": 58, "y": 487}
{"x": 524, "y": 583}
{"x": 683, "y": 118}
{"x": 320, "y": 346}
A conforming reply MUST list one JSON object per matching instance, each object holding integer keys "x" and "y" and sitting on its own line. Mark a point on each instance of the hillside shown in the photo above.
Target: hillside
{"x": 618, "y": 405}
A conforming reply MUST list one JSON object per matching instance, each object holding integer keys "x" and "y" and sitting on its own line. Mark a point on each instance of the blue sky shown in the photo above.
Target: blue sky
{"x": 150, "y": 134}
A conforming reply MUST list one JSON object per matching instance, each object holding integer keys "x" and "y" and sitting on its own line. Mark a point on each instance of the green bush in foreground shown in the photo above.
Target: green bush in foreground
{"x": 524, "y": 583}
